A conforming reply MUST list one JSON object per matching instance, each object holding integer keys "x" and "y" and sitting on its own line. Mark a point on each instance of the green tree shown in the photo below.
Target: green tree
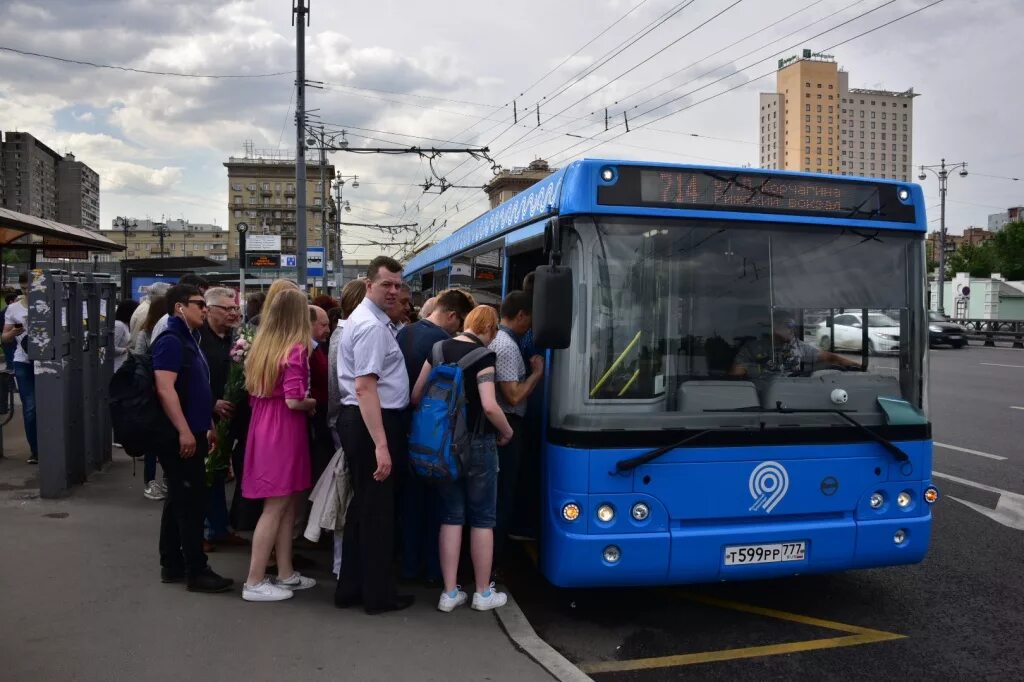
{"x": 978, "y": 260}
{"x": 1008, "y": 251}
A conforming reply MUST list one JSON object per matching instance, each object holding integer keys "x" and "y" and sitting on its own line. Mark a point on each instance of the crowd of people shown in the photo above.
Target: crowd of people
{"x": 289, "y": 392}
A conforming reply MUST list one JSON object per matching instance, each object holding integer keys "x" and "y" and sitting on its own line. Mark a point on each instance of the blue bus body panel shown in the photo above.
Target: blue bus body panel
{"x": 573, "y": 191}
{"x": 701, "y": 501}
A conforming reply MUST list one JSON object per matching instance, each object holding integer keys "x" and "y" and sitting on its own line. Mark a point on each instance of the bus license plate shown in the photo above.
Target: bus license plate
{"x": 765, "y": 554}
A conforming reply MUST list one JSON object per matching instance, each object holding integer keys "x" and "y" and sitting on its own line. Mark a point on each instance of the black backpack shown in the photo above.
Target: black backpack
{"x": 136, "y": 415}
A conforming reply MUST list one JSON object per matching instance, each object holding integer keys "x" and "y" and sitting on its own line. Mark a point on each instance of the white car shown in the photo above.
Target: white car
{"x": 883, "y": 333}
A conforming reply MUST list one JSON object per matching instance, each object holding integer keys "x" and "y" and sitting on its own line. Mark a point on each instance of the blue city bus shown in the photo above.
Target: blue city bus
{"x": 736, "y": 378}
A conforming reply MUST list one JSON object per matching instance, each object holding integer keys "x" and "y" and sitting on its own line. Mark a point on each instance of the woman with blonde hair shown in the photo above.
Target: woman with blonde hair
{"x": 474, "y": 496}
{"x": 277, "y": 466}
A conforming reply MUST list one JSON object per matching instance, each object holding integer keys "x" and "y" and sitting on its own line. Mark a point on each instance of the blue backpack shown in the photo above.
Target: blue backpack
{"x": 439, "y": 439}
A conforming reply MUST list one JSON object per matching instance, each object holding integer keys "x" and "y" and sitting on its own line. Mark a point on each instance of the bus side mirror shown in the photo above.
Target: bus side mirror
{"x": 552, "y": 306}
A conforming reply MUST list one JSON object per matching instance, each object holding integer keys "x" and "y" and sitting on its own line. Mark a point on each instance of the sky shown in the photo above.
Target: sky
{"x": 402, "y": 73}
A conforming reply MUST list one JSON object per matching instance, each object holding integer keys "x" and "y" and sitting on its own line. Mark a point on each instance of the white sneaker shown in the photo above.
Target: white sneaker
{"x": 492, "y": 600}
{"x": 162, "y": 485}
{"x": 153, "y": 491}
{"x": 265, "y": 590}
{"x": 296, "y": 582}
{"x": 447, "y": 603}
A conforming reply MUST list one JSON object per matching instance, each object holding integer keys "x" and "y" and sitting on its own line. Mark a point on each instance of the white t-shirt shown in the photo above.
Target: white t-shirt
{"x": 17, "y": 313}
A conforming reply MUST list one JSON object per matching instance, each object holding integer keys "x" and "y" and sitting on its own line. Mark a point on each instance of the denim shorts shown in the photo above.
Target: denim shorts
{"x": 476, "y": 489}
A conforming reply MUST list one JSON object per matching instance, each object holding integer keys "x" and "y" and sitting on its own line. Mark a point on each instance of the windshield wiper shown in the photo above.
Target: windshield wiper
{"x": 894, "y": 449}
{"x": 630, "y": 463}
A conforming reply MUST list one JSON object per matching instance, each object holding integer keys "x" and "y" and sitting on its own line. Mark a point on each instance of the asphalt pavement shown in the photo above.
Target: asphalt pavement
{"x": 955, "y": 616}
{"x": 81, "y": 599}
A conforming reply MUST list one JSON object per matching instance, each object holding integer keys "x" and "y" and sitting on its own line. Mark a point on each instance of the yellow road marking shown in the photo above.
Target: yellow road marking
{"x": 855, "y": 635}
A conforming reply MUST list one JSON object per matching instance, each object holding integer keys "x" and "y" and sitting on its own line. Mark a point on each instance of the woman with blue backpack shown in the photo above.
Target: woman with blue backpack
{"x": 473, "y": 495}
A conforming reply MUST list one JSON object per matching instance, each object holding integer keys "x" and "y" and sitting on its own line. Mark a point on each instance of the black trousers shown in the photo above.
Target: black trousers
{"x": 368, "y": 544}
{"x": 181, "y": 525}
{"x": 510, "y": 457}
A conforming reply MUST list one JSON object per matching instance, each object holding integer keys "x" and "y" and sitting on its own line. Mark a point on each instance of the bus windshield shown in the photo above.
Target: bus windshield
{"x": 697, "y": 324}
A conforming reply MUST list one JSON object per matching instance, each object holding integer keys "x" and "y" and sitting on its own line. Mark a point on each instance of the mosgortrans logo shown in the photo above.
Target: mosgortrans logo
{"x": 769, "y": 482}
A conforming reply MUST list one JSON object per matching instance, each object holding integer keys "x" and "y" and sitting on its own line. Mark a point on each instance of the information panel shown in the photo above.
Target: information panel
{"x": 262, "y": 260}
{"x": 756, "y": 193}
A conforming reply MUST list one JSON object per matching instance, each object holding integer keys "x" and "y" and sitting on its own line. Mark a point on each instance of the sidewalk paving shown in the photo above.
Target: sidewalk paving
{"x": 81, "y": 598}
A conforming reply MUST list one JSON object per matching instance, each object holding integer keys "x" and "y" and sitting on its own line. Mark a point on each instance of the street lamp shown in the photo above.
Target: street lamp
{"x": 942, "y": 171}
{"x": 127, "y": 225}
{"x": 339, "y": 184}
{"x": 161, "y": 230}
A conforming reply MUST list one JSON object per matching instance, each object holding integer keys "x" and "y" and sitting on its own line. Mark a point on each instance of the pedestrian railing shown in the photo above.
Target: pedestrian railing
{"x": 991, "y": 331}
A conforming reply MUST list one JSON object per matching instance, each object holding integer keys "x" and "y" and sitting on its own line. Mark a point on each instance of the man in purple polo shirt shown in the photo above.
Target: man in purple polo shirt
{"x": 183, "y": 388}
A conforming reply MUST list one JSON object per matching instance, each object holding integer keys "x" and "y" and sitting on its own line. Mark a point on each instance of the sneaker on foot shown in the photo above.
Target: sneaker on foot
{"x": 448, "y": 603}
{"x": 153, "y": 492}
{"x": 265, "y": 590}
{"x": 297, "y": 581}
{"x": 32, "y": 459}
{"x": 491, "y": 599}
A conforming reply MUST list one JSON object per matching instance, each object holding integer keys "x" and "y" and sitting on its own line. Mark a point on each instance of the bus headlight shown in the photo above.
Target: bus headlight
{"x": 899, "y": 537}
{"x": 605, "y": 513}
{"x": 903, "y": 499}
{"x": 571, "y": 511}
{"x": 640, "y": 511}
{"x": 876, "y": 500}
{"x": 612, "y": 554}
{"x": 931, "y": 494}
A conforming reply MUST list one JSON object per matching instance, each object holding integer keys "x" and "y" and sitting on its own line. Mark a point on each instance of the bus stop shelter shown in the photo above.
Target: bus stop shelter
{"x": 23, "y": 232}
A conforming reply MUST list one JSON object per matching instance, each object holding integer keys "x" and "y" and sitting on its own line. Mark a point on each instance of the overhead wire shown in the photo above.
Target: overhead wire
{"x": 116, "y": 67}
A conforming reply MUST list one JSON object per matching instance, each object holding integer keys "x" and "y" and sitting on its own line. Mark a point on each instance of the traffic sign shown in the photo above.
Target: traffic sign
{"x": 315, "y": 261}
{"x": 288, "y": 260}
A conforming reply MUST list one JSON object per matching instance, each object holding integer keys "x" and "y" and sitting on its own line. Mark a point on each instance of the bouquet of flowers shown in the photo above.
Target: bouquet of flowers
{"x": 234, "y": 392}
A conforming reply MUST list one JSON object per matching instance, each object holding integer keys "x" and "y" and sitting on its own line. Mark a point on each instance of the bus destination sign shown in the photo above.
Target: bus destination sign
{"x": 723, "y": 190}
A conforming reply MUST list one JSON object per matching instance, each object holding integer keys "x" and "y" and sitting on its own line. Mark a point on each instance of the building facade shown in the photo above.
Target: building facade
{"x": 261, "y": 193}
{"x": 509, "y": 183}
{"x": 975, "y": 236}
{"x": 997, "y": 221}
{"x": 38, "y": 181}
{"x": 180, "y": 238}
{"x": 815, "y": 122}
{"x": 78, "y": 194}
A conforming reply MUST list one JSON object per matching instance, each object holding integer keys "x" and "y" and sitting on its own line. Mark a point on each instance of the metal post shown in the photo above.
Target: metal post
{"x": 242, "y": 229}
{"x": 324, "y": 192}
{"x": 942, "y": 238}
{"x": 300, "y": 16}
{"x": 339, "y": 276}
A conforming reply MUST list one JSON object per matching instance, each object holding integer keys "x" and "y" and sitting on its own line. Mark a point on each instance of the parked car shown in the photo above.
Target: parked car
{"x": 942, "y": 331}
{"x": 883, "y": 333}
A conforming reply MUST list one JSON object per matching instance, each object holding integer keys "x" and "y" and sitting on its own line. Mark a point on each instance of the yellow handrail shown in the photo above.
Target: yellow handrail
{"x": 618, "y": 361}
{"x": 629, "y": 383}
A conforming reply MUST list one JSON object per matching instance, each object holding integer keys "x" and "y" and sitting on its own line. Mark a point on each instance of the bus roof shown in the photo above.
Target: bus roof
{"x": 659, "y": 189}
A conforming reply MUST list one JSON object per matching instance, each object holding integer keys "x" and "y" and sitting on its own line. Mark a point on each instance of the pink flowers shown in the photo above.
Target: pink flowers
{"x": 241, "y": 348}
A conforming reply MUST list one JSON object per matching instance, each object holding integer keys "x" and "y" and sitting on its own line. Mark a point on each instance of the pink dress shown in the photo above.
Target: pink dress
{"x": 277, "y": 449}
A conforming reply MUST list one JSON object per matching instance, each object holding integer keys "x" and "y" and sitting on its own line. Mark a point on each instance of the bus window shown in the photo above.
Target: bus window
{"x": 486, "y": 283}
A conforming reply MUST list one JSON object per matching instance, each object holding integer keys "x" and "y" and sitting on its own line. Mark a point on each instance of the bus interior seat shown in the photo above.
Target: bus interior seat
{"x": 696, "y": 396}
{"x": 815, "y": 393}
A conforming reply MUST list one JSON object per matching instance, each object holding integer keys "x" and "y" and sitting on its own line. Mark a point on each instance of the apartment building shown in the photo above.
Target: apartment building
{"x": 171, "y": 238}
{"x": 261, "y": 193}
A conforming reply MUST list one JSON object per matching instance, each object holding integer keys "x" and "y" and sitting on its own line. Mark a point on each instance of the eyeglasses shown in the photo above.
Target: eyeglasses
{"x": 229, "y": 308}
{"x": 200, "y": 303}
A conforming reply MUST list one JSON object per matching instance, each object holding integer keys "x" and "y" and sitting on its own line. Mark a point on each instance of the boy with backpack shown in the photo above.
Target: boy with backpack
{"x": 456, "y": 430}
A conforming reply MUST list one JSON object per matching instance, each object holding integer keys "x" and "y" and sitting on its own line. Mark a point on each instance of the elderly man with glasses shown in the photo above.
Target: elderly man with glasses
{"x": 216, "y": 337}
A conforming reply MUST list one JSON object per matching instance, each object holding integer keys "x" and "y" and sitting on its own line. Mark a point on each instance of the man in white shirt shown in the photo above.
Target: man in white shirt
{"x": 16, "y": 327}
{"x": 374, "y": 433}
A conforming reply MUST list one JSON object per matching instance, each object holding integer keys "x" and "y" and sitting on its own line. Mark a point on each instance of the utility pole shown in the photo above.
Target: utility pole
{"x": 324, "y": 195}
{"x": 942, "y": 171}
{"x": 339, "y": 259}
{"x": 300, "y": 17}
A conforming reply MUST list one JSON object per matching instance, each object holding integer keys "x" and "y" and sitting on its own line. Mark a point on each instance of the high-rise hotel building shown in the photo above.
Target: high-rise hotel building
{"x": 816, "y": 122}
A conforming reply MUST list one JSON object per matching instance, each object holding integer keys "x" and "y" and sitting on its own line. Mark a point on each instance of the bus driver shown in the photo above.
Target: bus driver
{"x": 783, "y": 354}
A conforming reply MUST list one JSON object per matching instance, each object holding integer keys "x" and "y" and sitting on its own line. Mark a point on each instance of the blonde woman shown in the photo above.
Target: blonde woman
{"x": 277, "y": 466}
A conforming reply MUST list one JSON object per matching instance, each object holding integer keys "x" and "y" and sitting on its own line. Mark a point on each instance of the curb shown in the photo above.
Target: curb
{"x": 519, "y": 630}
